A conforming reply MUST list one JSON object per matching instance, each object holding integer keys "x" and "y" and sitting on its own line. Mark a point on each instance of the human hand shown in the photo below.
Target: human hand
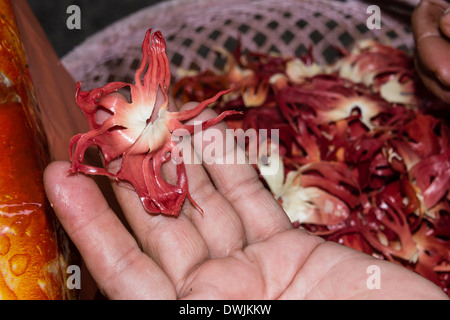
{"x": 431, "y": 27}
{"x": 242, "y": 247}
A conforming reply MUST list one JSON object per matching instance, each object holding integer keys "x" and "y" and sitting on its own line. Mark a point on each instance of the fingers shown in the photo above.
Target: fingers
{"x": 432, "y": 83}
{"x": 179, "y": 244}
{"x": 239, "y": 184}
{"x": 425, "y": 19}
{"x": 430, "y": 26}
{"x": 173, "y": 243}
{"x": 176, "y": 244}
{"x": 112, "y": 255}
{"x": 433, "y": 54}
{"x": 219, "y": 225}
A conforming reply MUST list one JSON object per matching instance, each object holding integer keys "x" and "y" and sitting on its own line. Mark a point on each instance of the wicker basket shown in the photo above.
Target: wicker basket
{"x": 193, "y": 29}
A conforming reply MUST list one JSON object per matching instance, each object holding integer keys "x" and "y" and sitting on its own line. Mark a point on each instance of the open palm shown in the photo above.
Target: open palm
{"x": 242, "y": 247}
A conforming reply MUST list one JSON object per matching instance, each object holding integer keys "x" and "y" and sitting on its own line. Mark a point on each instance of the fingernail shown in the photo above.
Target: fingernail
{"x": 444, "y": 23}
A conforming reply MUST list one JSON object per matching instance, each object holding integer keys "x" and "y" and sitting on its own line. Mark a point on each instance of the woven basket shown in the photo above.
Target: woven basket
{"x": 193, "y": 29}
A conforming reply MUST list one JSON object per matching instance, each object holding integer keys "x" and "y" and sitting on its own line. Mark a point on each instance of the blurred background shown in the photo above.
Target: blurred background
{"x": 95, "y": 15}
{"x": 192, "y": 29}
{"x": 98, "y": 14}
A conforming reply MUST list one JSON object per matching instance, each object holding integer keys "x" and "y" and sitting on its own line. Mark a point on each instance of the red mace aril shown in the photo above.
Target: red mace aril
{"x": 359, "y": 161}
{"x": 369, "y": 60}
{"x": 139, "y": 132}
{"x": 432, "y": 176}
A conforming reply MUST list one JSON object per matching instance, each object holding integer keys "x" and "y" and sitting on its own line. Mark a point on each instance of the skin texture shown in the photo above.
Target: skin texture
{"x": 431, "y": 27}
{"x": 242, "y": 247}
